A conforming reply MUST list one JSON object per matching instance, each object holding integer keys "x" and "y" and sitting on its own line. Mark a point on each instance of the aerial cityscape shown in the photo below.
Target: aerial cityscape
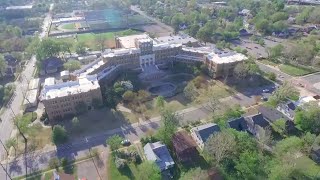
{"x": 159, "y": 89}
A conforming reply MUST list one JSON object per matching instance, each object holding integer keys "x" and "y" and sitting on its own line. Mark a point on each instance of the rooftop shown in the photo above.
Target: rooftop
{"x": 176, "y": 39}
{"x": 206, "y": 130}
{"x": 129, "y": 41}
{"x": 34, "y": 83}
{"x": 226, "y": 57}
{"x": 19, "y": 7}
{"x": 159, "y": 153}
{"x": 49, "y": 81}
{"x": 238, "y": 124}
{"x": 31, "y": 96}
{"x": 83, "y": 84}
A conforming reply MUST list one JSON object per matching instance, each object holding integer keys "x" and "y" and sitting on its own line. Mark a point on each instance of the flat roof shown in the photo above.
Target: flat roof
{"x": 129, "y": 41}
{"x": 31, "y": 97}
{"x": 64, "y": 73}
{"x": 19, "y": 7}
{"x": 226, "y": 57}
{"x": 49, "y": 81}
{"x": 34, "y": 84}
{"x": 83, "y": 84}
{"x": 176, "y": 39}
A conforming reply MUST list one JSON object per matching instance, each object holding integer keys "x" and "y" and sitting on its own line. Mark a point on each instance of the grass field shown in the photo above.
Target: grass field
{"x": 70, "y": 26}
{"x": 294, "y": 70}
{"x": 268, "y": 62}
{"x": 127, "y": 173}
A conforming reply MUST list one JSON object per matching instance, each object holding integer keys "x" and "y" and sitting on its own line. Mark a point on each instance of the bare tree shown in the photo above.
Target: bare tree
{"x": 100, "y": 40}
{"x": 220, "y": 145}
{"x": 213, "y": 104}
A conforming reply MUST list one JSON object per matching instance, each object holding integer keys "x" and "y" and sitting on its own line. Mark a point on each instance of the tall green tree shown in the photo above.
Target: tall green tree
{"x": 170, "y": 124}
{"x": 148, "y": 170}
{"x": 59, "y": 135}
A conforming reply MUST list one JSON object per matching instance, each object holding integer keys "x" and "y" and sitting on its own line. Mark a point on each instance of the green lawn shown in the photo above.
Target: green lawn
{"x": 307, "y": 166}
{"x": 294, "y": 70}
{"x": 268, "y": 62}
{"x": 70, "y": 26}
{"x": 127, "y": 173}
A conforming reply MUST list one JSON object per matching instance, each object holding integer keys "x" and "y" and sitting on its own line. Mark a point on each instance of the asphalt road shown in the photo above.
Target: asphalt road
{"x": 6, "y": 126}
{"x": 280, "y": 75}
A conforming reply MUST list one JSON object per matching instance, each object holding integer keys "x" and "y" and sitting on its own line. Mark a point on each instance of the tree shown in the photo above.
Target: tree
{"x": 249, "y": 166}
{"x": 100, "y": 40}
{"x": 204, "y": 34}
{"x": 75, "y": 122}
{"x": 114, "y": 142}
{"x": 220, "y": 145}
{"x": 195, "y": 174}
{"x": 12, "y": 142}
{"x": 54, "y": 163}
{"x": 72, "y": 65}
{"x": 80, "y": 48}
{"x": 262, "y": 25}
{"x": 213, "y": 104}
{"x": 283, "y": 93}
{"x": 276, "y": 51}
{"x": 190, "y": 91}
{"x": 240, "y": 71}
{"x": 272, "y": 76}
{"x": 59, "y": 135}
{"x": 47, "y": 48}
{"x": 120, "y": 163}
{"x": 160, "y": 102}
{"x": 3, "y": 65}
{"x": 168, "y": 128}
{"x": 148, "y": 170}
{"x": 279, "y": 126}
{"x": 128, "y": 96}
{"x": 309, "y": 118}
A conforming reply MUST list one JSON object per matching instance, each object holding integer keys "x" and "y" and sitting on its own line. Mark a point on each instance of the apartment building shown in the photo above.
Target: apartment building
{"x": 221, "y": 64}
{"x": 63, "y": 99}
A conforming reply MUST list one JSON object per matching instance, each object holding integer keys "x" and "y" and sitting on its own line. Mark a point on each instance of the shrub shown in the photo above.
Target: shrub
{"x": 120, "y": 163}
{"x": 54, "y": 163}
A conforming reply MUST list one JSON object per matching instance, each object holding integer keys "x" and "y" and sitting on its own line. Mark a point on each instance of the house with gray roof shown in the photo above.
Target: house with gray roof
{"x": 158, "y": 153}
{"x": 288, "y": 109}
{"x": 238, "y": 124}
{"x": 201, "y": 133}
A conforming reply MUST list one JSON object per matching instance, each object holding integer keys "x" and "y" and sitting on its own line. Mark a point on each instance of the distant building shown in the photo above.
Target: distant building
{"x": 49, "y": 81}
{"x": 19, "y": 7}
{"x": 62, "y": 99}
{"x": 185, "y": 148}
{"x": 87, "y": 59}
{"x": 31, "y": 99}
{"x": 202, "y": 133}
{"x": 158, "y": 153}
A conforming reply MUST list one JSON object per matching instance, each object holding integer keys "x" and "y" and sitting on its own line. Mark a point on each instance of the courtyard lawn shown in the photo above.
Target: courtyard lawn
{"x": 70, "y": 26}
{"x": 294, "y": 70}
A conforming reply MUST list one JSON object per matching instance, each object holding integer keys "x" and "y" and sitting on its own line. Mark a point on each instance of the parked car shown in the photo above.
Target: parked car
{"x": 125, "y": 142}
{"x": 266, "y": 90}
{"x": 263, "y": 98}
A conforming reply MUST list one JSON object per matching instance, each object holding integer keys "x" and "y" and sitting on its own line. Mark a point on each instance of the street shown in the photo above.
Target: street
{"x": 6, "y": 126}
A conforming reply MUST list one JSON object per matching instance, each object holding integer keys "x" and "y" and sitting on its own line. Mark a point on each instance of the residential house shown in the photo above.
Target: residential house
{"x": 11, "y": 63}
{"x": 288, "y": 109}
{"x": 239, "y": 124}
{"x": 201, "y": 133}
{"x": 51, "y": 65}
{"x": 159, "y": 153}
{"x": 185, "y": 147}
{"x": 255, "y": 123}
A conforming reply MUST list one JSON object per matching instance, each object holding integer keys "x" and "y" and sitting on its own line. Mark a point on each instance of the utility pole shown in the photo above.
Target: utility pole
{"x": 5, "y": 169}
{"x": 25, "y": 142}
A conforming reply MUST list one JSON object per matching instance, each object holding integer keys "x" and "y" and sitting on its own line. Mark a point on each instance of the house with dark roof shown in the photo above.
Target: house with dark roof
{"x": 159, "y": 153}
{"x": 185, "y": 147}
{"x": 239, "y": 124}
{"x": 201, "y": 133}
{"x": 51, "y": 65}
{"x": 255, "y": 123}
{"x": 12, "y": 64}
{"x": 288, "y": 109}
